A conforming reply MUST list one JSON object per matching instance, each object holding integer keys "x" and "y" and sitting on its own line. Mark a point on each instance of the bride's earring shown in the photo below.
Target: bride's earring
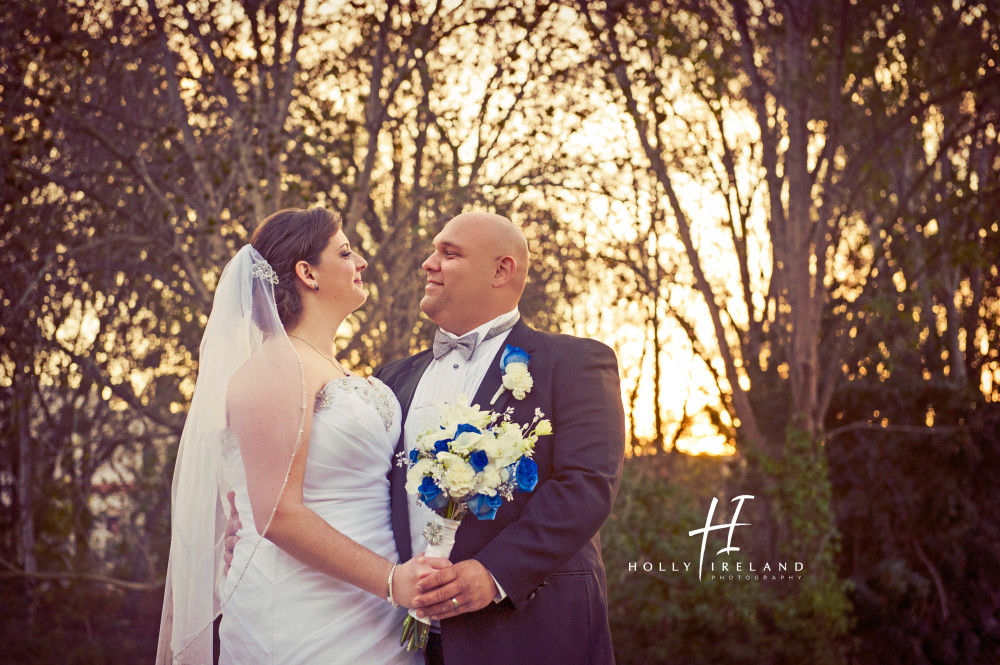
{"x": 315, "y": 286}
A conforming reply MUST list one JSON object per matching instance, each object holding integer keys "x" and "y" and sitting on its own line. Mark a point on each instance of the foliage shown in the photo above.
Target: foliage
{"x": 669, "y": 615}
{"x": 921, "y": 540}
{"x": 911, "y": 432}
{"x": 143, "y": 141}
{"x": 857, "y": 199}
{"x": 82, "y": 625}
{"x": 807, "y": 198}
{"x": 913, "y": 456}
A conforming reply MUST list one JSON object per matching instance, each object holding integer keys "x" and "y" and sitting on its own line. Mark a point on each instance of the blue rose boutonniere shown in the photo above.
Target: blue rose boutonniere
{"x": 516, "y": 378}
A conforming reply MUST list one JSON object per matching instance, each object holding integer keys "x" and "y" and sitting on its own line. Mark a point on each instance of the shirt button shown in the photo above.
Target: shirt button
{"x": 455, "y": 366}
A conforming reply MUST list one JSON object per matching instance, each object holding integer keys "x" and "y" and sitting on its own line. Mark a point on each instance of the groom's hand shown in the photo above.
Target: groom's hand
{"x": 467, "y": 582}
{"x": 232, "y": 526}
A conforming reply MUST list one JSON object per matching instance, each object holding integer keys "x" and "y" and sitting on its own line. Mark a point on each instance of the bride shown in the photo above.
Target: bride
{"x": 307, "y": 447}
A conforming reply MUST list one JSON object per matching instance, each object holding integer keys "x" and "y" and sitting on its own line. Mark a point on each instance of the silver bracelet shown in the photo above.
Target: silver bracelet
{"x": 392, "y": 601}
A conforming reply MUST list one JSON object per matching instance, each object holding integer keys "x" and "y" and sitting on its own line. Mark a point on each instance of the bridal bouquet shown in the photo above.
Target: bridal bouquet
{"x": 469, "y": 461}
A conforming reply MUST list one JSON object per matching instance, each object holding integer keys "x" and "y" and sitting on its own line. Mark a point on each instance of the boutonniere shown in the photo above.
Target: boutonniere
{"x": 516, "y": 378}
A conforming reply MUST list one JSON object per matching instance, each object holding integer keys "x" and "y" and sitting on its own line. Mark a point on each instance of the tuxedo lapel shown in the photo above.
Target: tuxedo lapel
{"x": 408, "y": 380}
{"x": 521, "y": 335}
{"x": 400, "y": 512}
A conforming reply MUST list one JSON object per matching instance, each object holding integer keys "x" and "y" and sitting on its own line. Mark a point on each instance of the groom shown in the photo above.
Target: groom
{"x": 528, "y": 586}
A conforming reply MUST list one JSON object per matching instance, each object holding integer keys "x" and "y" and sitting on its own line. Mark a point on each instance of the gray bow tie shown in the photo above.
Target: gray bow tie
{"x": 444, "y": 343}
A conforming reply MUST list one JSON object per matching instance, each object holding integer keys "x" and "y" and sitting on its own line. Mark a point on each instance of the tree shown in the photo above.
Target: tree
{"x": 789, "y": 190}
{"x": 910, "y": 432}
{"x": 144, "y": 143}
{"x": 787, "y": 119}
{"x": 414, "y": 112}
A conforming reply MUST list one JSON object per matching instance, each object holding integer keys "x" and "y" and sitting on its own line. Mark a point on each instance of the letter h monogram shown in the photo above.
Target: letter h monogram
{"x": 731, "y": 526}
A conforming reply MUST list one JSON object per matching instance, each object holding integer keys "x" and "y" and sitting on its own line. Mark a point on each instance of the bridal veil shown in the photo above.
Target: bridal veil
{"x": 247, "y": 416}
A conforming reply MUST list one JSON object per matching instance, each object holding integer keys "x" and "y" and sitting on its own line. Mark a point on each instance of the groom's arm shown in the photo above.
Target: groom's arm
{"x": 566, "y": 510}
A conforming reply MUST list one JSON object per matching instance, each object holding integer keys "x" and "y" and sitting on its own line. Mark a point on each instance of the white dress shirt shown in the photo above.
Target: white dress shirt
{"x": 445, "y": 379}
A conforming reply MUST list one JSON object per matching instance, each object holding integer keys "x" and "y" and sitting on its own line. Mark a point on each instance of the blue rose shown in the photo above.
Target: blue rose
{"x": 526, "y": 474}
{"x": 466, "y": 427}
{"x": 431, "y": 494}
{"x": 479, "y": 459}
{"x": 414, "y": 456}
{"x": 514, "y": 354}
{"x": 485, "y": 507}
{"x": 442, "y": 445}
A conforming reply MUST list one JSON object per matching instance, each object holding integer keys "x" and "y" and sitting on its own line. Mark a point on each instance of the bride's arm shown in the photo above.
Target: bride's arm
{"x": 309, "y": 538}
{"x": 265, "y": 422}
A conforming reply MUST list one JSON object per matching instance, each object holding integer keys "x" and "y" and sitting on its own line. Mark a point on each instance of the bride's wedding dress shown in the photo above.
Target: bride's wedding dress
{"x": 283, "y": 611}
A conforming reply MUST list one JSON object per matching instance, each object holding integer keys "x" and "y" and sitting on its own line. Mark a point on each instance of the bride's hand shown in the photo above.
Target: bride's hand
{"x": 406, "y": 576}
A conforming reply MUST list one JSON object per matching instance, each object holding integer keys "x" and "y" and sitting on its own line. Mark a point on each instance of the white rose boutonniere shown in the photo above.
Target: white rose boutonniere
{"x": 516, "y": 378}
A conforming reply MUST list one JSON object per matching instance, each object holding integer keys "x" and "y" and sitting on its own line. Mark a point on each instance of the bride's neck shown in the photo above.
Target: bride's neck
{"x": 317, "y": 332}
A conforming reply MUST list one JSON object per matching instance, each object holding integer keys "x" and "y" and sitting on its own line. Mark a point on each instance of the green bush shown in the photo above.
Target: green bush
{"x": 673, "y": 617}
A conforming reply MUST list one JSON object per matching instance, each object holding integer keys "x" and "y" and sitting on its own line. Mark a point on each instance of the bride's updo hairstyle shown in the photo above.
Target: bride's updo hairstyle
{"x": 287, "y": 237}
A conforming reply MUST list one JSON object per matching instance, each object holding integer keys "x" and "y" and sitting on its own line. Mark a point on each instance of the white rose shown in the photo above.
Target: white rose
{"x": 496, "y": 446}
{"x": 510, "y": 427}
{"x": 544, "y": 428}
{"x": 416, "y": 474}
{"x": 517, "y": 380}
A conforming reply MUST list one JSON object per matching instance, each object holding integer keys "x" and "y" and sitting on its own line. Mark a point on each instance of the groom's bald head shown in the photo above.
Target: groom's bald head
{"x": 499, "y": 235}
{"x": 477, "y": 271}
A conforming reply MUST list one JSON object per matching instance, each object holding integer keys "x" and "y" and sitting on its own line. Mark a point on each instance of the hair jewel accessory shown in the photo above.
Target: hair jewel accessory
{"x": 264, "y": 271}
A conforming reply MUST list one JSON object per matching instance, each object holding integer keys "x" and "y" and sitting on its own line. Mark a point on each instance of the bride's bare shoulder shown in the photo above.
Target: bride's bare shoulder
{"x": 274, "y": 369}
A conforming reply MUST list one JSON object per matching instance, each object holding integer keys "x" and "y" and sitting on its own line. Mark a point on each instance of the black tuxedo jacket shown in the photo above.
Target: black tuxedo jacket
{"x": 543, "y": 547}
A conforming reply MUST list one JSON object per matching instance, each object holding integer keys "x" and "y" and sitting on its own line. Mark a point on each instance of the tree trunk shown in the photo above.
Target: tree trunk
{"x": 804, "y": 298}
{"x": 25, "y": 498}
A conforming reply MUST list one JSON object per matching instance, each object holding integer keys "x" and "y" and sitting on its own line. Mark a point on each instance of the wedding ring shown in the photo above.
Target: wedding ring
{"x": 454, "y": 602}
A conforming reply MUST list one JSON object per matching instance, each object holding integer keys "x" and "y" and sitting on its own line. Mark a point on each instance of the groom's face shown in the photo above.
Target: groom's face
{"x": 459, "y": 277}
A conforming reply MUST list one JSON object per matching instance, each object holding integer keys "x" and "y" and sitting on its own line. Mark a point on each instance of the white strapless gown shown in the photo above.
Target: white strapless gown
{"x": 284, "y": 612}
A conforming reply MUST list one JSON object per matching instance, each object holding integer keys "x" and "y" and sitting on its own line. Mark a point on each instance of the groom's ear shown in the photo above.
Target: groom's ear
{"x": 506, "y": 266}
